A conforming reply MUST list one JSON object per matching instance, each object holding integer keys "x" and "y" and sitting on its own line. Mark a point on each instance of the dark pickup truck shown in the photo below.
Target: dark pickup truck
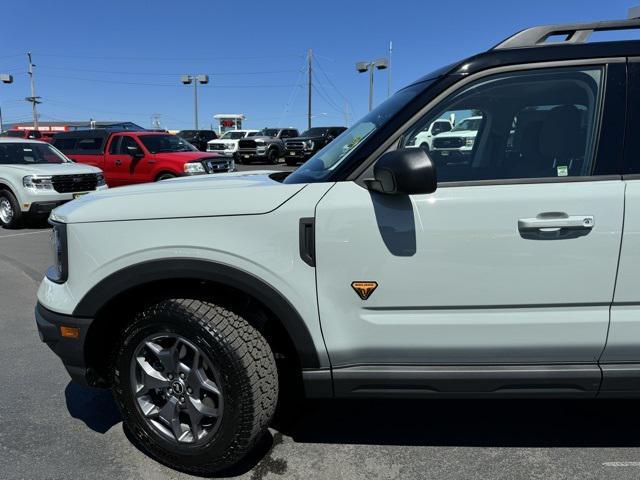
{"x": 268, "y": 144}
{"x": 299, "y": 149}
{"x": 128, "y": 157}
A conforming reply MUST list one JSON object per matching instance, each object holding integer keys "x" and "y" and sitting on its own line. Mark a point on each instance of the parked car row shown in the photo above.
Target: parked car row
{"x": 37, "y": 175}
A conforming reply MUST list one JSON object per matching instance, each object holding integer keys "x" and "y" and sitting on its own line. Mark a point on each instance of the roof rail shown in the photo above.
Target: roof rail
{"x": 575, "y": 33}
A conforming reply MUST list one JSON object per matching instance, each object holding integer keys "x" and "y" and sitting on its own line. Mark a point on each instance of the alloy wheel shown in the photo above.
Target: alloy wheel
{"x": 176, "y": 389}
{"x": 6, "y": 210}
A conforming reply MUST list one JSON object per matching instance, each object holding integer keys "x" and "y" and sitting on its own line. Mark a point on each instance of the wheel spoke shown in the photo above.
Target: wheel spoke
{"x": 168, "y": 357}
{"x": 169, "y": 415}
{"x": 201, "y": 384}
{"x": 200, "y": 408}
{"x": 151, "y": 378}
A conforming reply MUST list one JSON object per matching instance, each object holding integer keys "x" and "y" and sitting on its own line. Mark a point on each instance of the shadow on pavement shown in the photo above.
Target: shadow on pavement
{"x": 460, "y": 423}
{"x": 94, "y": 406}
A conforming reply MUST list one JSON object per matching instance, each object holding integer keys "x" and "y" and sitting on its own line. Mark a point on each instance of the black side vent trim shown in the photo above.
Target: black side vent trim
{"x": 308, "y": 241}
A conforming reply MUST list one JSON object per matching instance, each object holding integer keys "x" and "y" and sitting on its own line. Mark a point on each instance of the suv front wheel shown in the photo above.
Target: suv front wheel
{"x": 10, "y": 214}
{"x": 196, "y": 384}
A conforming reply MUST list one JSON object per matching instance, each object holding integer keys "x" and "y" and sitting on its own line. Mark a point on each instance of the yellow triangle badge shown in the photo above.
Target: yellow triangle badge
{"x": 364, "y": 289}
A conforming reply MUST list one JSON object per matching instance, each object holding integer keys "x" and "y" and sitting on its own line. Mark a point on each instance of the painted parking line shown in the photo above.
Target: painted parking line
{"x": 621, "y": 464}
{"x": 24, "y": 233}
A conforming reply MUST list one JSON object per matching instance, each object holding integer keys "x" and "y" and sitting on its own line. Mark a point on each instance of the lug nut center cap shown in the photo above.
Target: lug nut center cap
{"x": 178, "y": 387}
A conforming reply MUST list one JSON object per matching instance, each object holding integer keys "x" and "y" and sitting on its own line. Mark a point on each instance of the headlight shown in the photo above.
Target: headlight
{"x": 469, "y": 142}
{"x": 193, "y": 168}
{"x": 100, "y": 180}
{"x": 59, "y": 271}
{"x": 308, "y": 145}
{"x": 259, "y": 140}
{"x": 37, "y": 182}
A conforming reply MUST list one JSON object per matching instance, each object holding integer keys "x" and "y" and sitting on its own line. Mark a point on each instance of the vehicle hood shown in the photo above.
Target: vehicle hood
{"x": 261, "y": 138}
{"x": 246, "y": 193}
{"x": 50, "y": 169}
{"x": 184, "y": 156}
{"x": 459, "y": 133}
{"x": 302, "y": 139}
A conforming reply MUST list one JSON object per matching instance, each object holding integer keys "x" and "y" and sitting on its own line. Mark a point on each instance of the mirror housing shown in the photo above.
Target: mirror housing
{"x": 135, "y": 152}
{"x": 407, "y": 171}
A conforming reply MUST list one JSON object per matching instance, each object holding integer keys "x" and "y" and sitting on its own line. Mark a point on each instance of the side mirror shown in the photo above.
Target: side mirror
{"x": 407, "y": 171}
{"x": 135, "y": 152}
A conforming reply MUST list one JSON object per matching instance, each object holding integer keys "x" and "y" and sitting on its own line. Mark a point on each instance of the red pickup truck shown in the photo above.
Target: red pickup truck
{"x": 128, "y": 157}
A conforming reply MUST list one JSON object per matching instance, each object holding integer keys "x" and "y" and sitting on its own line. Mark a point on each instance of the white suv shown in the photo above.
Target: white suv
{"x": 376, "y": 269}
{"x": 35, "y": 178}
{"x": 228, "y": 143}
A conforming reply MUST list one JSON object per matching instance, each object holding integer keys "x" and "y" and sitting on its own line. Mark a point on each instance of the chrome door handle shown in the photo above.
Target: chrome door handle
{"x": 556, "y": 221}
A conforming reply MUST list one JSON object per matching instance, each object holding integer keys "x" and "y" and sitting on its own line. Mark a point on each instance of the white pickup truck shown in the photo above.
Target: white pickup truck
{"x": 35, "y": 178}
{"x": 227, "y": 144}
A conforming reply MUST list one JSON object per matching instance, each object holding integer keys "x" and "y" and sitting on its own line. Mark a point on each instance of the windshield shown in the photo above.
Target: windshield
{"x": 187, "y": 133}
{"x": 29, "y": 154}
{"x": 320, "y": 166}
{"x": 269, "y": 132}
{"x": 315, "y": 132}
{"x": 166, "y": 143}
{"x": 233, "y": 135}
{"x": 468, "y": 124}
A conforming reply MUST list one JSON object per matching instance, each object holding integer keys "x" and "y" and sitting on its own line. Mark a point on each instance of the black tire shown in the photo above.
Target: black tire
{"x": 425, "y": 147}
{"x": 273, "y": 156}
{"x": 248, "y": 382}
{"x": 13, "y": 217}
{"x": 165, "y": 176}
{"x": 239, "y": 160}
{"x": 291, "y": 162}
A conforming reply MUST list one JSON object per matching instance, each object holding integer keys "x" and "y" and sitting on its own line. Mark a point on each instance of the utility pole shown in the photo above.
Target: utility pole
{"x": 389, "y": 72}
{"x": 33, "y": 99}
{"x": 310, "y": 60}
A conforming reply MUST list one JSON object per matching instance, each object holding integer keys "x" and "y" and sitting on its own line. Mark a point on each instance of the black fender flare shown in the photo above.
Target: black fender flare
{"x": 184, "y": 268}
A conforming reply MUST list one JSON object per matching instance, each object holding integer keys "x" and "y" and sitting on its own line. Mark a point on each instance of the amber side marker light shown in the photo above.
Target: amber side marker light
{"x": 69, "y": 332}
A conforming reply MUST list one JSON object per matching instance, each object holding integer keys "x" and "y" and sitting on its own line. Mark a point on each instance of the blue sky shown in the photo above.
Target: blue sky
{"x": 122, "y": 59}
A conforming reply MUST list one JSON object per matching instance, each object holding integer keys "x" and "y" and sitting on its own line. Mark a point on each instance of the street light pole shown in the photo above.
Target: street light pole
{"x": 371, "y": 69}
{"x": 4, "y": 78}
{"x": 195, "y": 101}
{"x": 195, "y": 79}
{"x": 362, "y": 67}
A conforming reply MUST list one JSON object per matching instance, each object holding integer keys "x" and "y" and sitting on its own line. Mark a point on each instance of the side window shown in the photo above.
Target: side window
{"x": 89, "y": 144}
{"x": 65, "y": 144}
{"x": 531, "y": 124}
{"x": 125, "y": 143}
{"x": 114, "y": 146}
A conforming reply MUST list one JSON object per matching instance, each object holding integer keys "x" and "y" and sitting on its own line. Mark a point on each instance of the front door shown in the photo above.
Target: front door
{"x": 123, "y": 167}
{"x": 511, "y": 261}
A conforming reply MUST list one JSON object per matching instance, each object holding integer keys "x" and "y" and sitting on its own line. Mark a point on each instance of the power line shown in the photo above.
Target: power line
{"x": 172, "y": 74}
{"x": 326, "y": 97}
{"x": 331, "y": 83}
{"x": 260, "y": 57}
{"x": 149, "y": 84}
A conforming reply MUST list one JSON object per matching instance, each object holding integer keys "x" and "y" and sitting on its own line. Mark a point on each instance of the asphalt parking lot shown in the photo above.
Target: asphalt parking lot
{"x": 53, "y": 429}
